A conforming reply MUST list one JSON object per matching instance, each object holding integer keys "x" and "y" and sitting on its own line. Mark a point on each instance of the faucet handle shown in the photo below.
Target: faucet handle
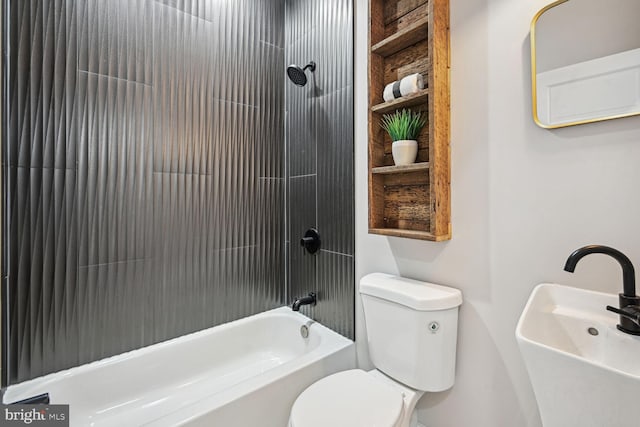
{"x": 631, "y": 312}
{"x": 311, "y": 241}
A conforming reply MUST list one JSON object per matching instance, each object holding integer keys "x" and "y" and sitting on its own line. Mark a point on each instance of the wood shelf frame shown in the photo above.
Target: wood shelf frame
{"x": 412, "y": 34}
{"x": 401, "y": 169}
{"x": 412, "y": 100}
{"x": 407, "y": 37}
{"x": 411, "y": 234}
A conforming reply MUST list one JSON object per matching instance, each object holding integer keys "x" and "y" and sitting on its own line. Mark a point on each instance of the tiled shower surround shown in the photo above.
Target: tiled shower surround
{"x": 152, "y": 152}
{"x": 319, "y": 132}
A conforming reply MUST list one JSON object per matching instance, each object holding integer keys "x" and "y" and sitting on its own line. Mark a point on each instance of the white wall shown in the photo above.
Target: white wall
{"x": 600, "y": 28}
{"x": 523, "y": 198}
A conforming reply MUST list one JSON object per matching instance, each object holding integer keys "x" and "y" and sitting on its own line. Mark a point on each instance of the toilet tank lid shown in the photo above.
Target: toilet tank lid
{"x": 418, "y": 295}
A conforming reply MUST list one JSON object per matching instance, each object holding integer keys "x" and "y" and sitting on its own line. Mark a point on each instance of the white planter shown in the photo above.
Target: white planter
{"x": 404, "y": 151}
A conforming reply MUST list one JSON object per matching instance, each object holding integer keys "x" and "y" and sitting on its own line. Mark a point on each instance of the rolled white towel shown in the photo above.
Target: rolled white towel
{"x": 411, "y": 84}
{"x": 388, "y": 91}
{"x": 406, "y": 86}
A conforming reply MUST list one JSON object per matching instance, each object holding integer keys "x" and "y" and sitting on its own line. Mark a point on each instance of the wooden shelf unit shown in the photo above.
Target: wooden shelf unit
{"x": 401, "y": 169}
{"x": 408, "y": 101}
{"x": 406, "y": 37}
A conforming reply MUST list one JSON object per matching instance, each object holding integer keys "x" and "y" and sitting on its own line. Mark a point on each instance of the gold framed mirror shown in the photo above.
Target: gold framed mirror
{"x": 585, "y": 62}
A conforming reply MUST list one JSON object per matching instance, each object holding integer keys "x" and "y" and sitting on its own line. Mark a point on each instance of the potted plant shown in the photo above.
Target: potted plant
{"x": 404, "y": 127}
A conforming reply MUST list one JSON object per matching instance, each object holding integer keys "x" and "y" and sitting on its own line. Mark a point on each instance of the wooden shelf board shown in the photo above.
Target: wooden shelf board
{"x": 404, "y": 102}
{"x": 404, "y": 38}
{"x": 413, "y": 234}
{"x": 401, "y": 169}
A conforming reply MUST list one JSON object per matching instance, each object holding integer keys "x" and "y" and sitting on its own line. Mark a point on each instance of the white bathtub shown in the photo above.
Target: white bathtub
{"x": 243, "y": 373}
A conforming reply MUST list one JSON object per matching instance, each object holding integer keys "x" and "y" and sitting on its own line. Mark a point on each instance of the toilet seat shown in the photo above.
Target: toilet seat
{"x": 348, "y": 399}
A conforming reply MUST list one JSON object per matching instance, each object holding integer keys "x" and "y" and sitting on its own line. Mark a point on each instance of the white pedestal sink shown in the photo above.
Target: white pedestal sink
{"x": 584, "y": 372}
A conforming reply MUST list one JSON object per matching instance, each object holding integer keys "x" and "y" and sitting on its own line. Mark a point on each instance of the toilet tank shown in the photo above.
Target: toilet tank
{"x": 412, "y": 329}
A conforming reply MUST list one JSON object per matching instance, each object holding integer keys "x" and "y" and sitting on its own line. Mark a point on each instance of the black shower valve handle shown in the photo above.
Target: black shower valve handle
{"x": 311, "y": 241}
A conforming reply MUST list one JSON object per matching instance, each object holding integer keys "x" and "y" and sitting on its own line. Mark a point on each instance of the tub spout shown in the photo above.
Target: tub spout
{"x": 308, "y": 300}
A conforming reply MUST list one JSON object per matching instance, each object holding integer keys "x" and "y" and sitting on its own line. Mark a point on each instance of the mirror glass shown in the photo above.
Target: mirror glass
{"x": 585, "y": 59}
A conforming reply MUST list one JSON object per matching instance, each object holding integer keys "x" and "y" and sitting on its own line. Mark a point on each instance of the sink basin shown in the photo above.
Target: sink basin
{"x": 584, "y": 371}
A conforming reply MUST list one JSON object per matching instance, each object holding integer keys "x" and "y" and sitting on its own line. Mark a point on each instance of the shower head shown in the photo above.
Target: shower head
{"x": 297, "y": 75}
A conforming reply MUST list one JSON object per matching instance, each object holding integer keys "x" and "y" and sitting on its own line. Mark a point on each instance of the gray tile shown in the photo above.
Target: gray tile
{"x": 210, "y": 85}
{"x": 247, "y": 290}
{"x": 269, "y": 117}
{"x": 286, "y": 250}
{"x": 301, "y": 140}
{"x": 302, "y": 205}
{"x": 115, "y": 309}
{"x": 272, "y": 21}
{"x": 333, "y": 47}
{"x": 270, "y": 231}
{"x": 185, "y": 109}
{"x": 42, "y": 272}
{"x": 300, "y": 18}
{"x": 302, "y": 216}
{"x": 114, "y": 169}
{"x": 335, "y": 290}
{"x": 40, "y": 130}
{"x": 184, "y": 242}
{"x": 335, "y": 171}
{"x": 116, "y": 38}
{"x": 243, "y": 65}
{"x": 204, "y": 9}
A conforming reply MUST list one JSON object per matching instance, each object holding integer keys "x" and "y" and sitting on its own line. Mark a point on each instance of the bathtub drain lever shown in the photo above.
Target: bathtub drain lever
{"x": 304, "y": 329}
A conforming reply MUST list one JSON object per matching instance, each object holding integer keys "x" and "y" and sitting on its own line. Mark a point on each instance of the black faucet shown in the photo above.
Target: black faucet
{"x": 308, "y": 300}
{"x": 629, "y": 310}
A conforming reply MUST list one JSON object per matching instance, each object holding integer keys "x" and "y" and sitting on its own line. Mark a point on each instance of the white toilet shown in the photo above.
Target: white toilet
{"x": 412, "y": 329}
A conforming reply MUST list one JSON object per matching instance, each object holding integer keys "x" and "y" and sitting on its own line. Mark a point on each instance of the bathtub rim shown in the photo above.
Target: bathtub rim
{"x": 331, "y": 343}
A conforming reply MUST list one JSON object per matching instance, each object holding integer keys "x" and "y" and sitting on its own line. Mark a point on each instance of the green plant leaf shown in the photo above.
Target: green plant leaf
{"x": 403, "y": 124}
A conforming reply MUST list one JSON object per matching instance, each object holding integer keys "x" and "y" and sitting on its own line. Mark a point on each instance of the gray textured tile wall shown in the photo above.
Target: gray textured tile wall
{"x": 144, "y": 169}
{"x": 146, "y": 181}
{"x": 319, "y": 130}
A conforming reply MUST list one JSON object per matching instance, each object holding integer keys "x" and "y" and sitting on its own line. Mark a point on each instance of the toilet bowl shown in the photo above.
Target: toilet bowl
{"x": 411, "y": 333}
{"x": 355, "y": 398}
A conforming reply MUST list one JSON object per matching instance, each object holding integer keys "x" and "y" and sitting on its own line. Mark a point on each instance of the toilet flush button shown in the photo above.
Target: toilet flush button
{"x": 433, "y": 327}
